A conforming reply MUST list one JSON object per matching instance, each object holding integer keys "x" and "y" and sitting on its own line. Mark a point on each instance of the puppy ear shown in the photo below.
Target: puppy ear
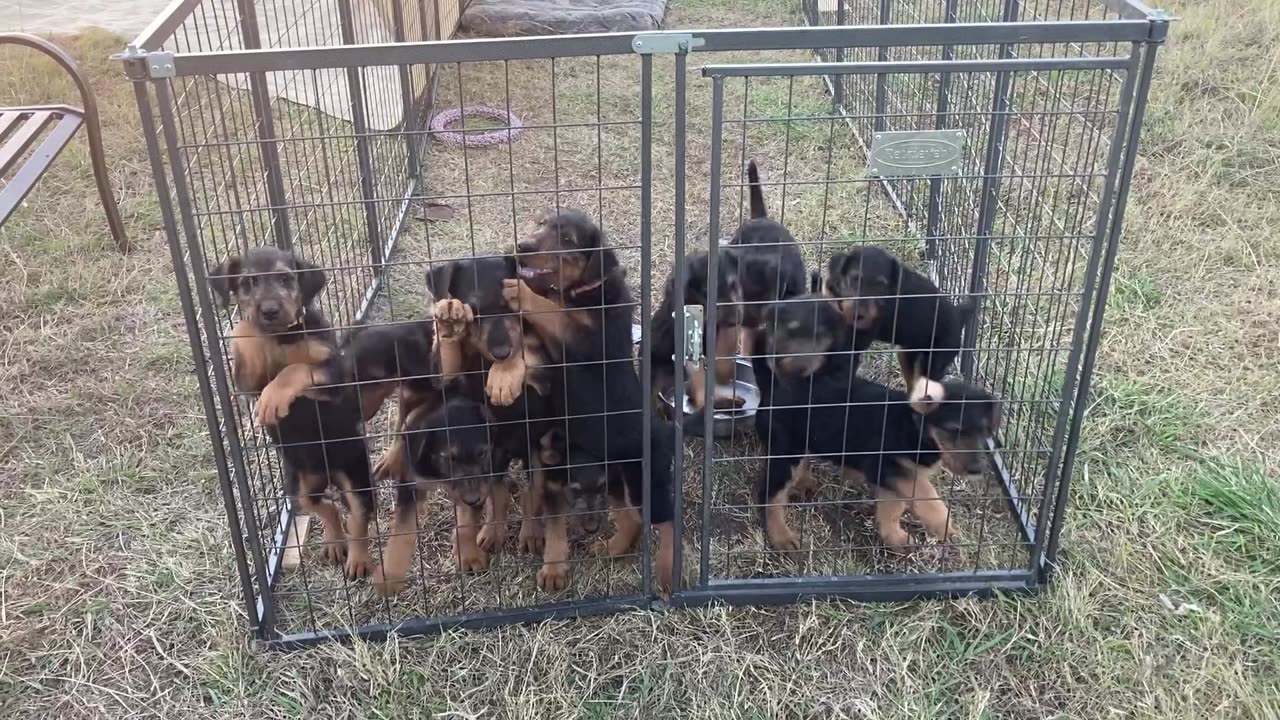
{"x": 927, "y": 396}
{"x": 837, "y": 263}
{"x": 440, "y": 279}
{"x": 311, "y": 279}
{"x": 510, "y": 266}
{"x": 895, "y": 272}
{"x": 727, "y": 262}
{"x": 222, "y": 278}
{"x": 603, "y": 262}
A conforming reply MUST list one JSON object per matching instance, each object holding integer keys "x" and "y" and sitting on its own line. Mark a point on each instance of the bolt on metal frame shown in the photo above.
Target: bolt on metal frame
{"x": 1050, "y": 98}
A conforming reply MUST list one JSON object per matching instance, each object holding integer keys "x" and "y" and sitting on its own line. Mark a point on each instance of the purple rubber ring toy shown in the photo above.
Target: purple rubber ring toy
{"x": 445, "y": 118}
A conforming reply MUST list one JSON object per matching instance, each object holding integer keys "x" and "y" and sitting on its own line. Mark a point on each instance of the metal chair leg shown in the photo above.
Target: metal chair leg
{"x": 92, "y": 125}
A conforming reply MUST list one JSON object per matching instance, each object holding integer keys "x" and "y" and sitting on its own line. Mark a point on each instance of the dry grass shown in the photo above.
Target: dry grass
{"x": 118, "y": 594}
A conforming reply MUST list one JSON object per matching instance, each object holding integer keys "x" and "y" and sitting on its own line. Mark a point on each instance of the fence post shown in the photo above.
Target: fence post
{"x": 364, "y": 153}
{"x": 266, "y": 130}
{"x": 998, "y": 132}
{"x": 934, "y": 212}
{"x": 1100, "y": 302}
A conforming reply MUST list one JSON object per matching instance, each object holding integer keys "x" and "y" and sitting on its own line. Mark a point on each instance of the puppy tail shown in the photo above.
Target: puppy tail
{"x": 757, "y": 194}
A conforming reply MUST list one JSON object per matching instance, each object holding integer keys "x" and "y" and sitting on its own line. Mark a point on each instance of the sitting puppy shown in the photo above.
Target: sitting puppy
{"x": 447, "y": 439}
{"x": 801, "y": 338}
{"x": 572, "y": 293}
{"x": 562, "y": 491}
{"x": 662, "y": 340}
{"x": 770, "y": 267}
{"x": 822, "y": 410}
{"x": 284, "y": 349}
{"x": 883, "y": 298}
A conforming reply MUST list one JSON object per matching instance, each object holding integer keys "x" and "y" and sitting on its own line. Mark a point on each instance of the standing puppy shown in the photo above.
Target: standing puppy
{"x": 571, "y": 292}
{"x": 662, "y": 340}
{"x": 883, "y": 298}
{"x": 770, "y": 267}
{"x": 283, "y": 348}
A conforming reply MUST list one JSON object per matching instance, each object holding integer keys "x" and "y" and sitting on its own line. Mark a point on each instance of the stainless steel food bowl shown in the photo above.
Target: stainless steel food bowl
{"x": 725, "y": 423}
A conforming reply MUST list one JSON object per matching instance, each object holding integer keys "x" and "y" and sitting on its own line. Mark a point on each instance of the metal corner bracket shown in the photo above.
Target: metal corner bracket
{"x": 666, "y": 43}
{"x": 146, "y": 64}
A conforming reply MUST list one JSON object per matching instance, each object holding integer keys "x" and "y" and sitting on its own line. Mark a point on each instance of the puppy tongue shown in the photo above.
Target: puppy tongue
{"x": 529, "y": 273}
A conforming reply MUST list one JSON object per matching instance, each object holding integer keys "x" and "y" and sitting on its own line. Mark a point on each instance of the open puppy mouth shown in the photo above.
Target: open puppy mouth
{"x": 531, "y": 273}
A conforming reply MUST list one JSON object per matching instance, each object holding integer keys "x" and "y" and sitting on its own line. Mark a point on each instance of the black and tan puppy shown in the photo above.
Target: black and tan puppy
{"x": 572, "y": 293}
{"x": 447, "y": 440}
{"x": 881, "y": 296}
{"x": 480, "y": 339}
{"x": 283, "y": 348}
{"x": 871, "y": 431}
{"x": 390, "y": 357}
{"x": 476, "y": 329}
{"x": 770, "y": 267}
{"x": 728, "y": 298}
{"x": 566, "y": 492}
{"x": 800, "y": 339}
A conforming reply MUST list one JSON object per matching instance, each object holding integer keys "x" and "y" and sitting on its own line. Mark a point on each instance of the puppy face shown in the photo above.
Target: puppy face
{"x": 271, "y": 287}
{"x": 798, "y": 333}
{"x": 496, "y": 333}
{"x": 582, "y": 480}
{"x": 453, "y": 445}
{"x": 564, "y": 251}
{"x": 960, "y": 422}
{"x": 859, "y": 280}
{"x": 728, "y": 287}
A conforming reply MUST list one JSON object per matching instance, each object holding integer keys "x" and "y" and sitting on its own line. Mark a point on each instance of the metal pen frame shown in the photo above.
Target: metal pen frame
{"x": 1039, "y": 513}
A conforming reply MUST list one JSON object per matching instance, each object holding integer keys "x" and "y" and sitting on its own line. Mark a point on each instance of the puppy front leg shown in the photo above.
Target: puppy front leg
{"x": 280, "y": 393}
{"x": 505, "y": 381}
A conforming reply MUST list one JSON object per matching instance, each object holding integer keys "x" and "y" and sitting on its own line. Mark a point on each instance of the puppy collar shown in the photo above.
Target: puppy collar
{"x": 586, "y": 288}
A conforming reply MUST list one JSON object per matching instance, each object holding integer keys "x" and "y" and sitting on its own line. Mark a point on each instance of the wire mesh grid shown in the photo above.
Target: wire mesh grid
{"x": 1038, "y": 250}
{"x": 377, "y": 200}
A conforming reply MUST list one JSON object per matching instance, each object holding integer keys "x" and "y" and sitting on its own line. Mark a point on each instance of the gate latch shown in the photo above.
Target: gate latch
{"x": 666, "y": 43}
{"x": 693, "y": 334}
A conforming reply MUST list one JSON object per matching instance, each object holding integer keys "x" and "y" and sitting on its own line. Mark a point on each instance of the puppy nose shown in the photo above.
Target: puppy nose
{"x": 591, "y": 525}
{"x": 269, "y": 310}
{"x": 526, "y": 246}
{"x": 500, "y": 352}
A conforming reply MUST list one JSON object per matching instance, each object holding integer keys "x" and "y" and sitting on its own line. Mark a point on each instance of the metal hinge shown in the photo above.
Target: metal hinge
{"x": 693, "y": 334}
{"x": 1159, "y": 25}
{"x": 134, "y": 61}
{"x": 666, "y": 43}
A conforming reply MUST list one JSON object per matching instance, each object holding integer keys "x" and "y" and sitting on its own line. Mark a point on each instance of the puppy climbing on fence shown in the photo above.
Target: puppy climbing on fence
{"x": 572, "y": 292}
{"x": 283, "y": 350}
{"x": 882, "y": 297}
{"x": 770, "y": 267}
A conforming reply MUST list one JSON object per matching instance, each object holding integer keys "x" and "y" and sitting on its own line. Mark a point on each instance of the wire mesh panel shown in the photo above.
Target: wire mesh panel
{"x": 1041, "y": 249}
{"x": 329, "y": 153}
